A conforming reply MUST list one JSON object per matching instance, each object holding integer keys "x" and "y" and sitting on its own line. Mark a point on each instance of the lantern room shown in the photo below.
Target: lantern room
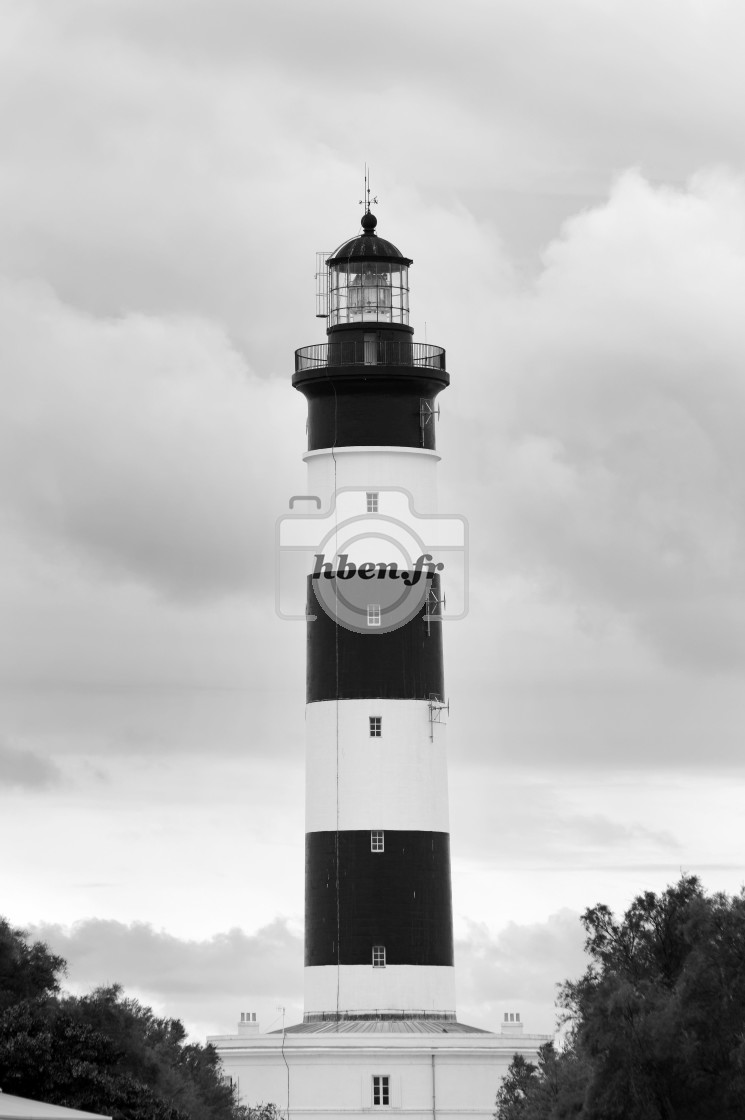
{"x": 368, "y": 281}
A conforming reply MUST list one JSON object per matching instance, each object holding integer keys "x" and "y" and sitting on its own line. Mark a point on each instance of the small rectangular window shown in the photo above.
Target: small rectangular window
{"x": 381, "y": 1087}
{"x": 376, "y": 727}
{"x": 373, "y": 614}
{"x": 371, "y": 340}
{"x": 377, "y": 841}
{"x": 378, "y": 956}
{"x": 372, "y": 501}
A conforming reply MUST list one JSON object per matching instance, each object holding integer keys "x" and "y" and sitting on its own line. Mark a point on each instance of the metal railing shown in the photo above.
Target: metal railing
{"x": 374, "y": 353}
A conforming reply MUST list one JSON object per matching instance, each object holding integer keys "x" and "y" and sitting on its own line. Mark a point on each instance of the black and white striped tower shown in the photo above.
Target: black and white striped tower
{"x": 378, "y": 910}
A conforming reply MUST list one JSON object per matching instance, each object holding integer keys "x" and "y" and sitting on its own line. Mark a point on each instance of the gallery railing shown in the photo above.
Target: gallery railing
{"x": 374, "y": 353}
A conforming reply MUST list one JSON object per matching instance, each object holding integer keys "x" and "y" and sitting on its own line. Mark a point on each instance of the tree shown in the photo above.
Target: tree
{"x": 657, "y": 1022}
{"x": 101, "y": 1052}
{"x": 554, "y": 1088}
{"x": 513, "y": 1092}
{"x": 661, "y": 1009}
{"x": 26, "y": 971}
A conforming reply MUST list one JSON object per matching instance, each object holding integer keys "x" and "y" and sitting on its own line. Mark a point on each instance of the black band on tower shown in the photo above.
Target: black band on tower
{"x": 359, "y": 408}
{"x": 399, "y": 898}
{"x": 402, "y": 664}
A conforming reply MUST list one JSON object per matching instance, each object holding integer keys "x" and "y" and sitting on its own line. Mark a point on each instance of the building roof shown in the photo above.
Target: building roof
{"x": 368, "y": 246}
{"x": 21, "y": 1108}
{"x": 383, "y": 1026}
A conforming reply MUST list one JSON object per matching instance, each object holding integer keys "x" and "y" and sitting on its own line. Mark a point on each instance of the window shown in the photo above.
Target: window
{"x": 372, "y": 502}
{"x": 368, "y": 292}
{"x": 377, "y": 841}
{"x": 376, "y": 727}
{"x": 371, "y": 349}
{"x": 378, "y": 956}
{"x": 373, "y": 614}
{"x": 381, "y": 1089}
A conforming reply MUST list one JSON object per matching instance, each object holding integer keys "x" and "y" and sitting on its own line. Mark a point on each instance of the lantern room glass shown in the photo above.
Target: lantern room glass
{"x": 368, "y": 292}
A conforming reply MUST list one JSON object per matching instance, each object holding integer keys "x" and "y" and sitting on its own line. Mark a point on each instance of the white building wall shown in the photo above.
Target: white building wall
{"x": 373, "y": 468}
{"x": 357, "y": 776}
{"x": 437, "y": 1077}
{"x": 362, "y": 988}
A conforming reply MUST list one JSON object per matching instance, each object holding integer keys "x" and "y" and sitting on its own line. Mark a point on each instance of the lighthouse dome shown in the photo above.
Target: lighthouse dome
{"x": 368, "y": 246}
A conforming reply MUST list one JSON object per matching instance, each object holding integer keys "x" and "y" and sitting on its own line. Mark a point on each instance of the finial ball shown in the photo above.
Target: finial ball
{"x": 369, "y": 222}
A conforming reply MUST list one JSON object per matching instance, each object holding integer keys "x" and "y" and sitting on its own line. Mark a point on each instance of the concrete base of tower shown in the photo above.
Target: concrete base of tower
{"x": 422, "y": 1069}
{"x": 362, "y": 990}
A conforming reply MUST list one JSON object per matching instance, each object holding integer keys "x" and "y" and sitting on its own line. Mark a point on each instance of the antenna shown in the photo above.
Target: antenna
{"x": 436, "y": 708}
{"x": 367, "y": 202}
{"x": 428, "y": 410}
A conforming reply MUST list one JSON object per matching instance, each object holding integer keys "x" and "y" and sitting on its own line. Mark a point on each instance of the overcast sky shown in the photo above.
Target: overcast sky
{"x": 568, "y": 177}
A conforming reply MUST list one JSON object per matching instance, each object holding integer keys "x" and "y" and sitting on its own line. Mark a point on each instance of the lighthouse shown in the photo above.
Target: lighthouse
{"x": 376, "y": 566}
{"x": 378, "y": 909}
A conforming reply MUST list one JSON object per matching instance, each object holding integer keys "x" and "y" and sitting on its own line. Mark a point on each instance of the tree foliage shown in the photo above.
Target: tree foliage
{"x": 513, "y": 1092}
{"x": 26, "y": 971}
{"x": 657, "y": 1022}
{"x": 101, "y": 1052}
{"x": 554, "y": 1087}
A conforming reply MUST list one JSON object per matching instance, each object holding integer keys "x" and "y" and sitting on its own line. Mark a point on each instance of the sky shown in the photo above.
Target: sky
{"x": 568, "y": 177}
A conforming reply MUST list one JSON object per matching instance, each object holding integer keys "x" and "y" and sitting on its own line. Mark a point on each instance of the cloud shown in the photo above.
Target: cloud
{"x": 518, "y": 969}
{"x": 614, "y": 464}
{"x": 520, "y": 962}
{"x": 613, "y": 461}
{"x": 203, "y": 981}
{"x": 601, "y": 469}
{"x": 597, "y": 831}
{"x": 139, "y": 445}
{"x": 107, "y": 952}
{"x": 23, "y": 769}
{"x": 216, "y": 150}
{"x": 528, "y": 70}
{"x": 617, "y": 469}
{"x": 518, "y": 819}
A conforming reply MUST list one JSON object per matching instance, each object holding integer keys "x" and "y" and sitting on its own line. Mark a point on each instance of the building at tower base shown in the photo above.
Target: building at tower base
{"x": 425, "y": 1069}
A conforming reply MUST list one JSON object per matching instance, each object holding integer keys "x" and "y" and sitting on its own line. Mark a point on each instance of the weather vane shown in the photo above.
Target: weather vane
{"x": 367, "y": 202}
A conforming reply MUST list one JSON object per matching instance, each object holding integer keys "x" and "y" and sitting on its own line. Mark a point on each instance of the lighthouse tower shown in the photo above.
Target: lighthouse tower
{"x": 378, "y": 911}
{"x": 379, "y": 1029}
